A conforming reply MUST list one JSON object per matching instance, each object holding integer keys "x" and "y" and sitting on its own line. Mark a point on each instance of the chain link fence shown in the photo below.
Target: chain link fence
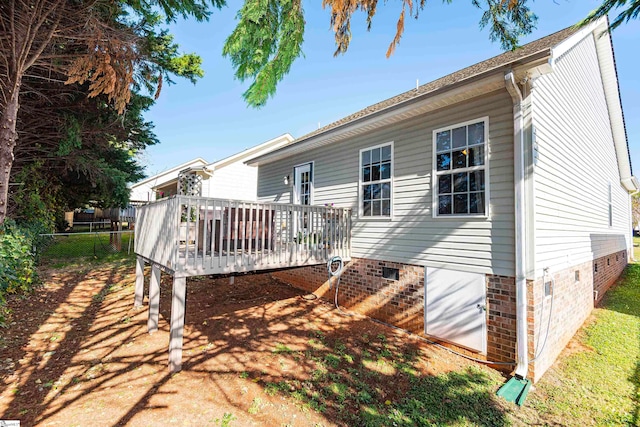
{"x": 94, "y": 244}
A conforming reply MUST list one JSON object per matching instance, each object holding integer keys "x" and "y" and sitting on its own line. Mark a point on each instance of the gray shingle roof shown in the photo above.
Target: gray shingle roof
{"x": 529, "y": 49}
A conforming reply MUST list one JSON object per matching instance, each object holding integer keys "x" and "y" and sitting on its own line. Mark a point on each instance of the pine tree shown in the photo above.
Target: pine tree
{"x": 95, "y": 42}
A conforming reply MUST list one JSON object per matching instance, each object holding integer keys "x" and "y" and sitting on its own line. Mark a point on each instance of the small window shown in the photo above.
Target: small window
{"x": 460, "y": 169}
{"x": 376, "y": 171}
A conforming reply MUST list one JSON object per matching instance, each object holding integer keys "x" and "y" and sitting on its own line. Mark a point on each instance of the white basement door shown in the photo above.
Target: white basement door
{"x": 455, "y": 307}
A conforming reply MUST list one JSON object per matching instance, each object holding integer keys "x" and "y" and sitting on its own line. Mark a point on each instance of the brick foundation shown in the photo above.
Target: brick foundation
{"x": 501, "y": 318}
{"x": 573, "y": 300}
{"x": 398, "y": 302}
{"x": 609, "y": 268}
{"x": 401, "y": 302}
{"x": 364, "y": 290}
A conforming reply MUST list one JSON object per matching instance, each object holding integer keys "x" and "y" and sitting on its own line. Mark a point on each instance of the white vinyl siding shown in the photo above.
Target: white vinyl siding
{"x": 234, "y": 181}
{"x": 576, "y": 172}
{"x": 143, "y": 193}
{"x": 483, "y": 245}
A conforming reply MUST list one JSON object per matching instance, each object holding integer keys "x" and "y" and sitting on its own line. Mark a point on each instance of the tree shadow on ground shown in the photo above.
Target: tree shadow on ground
{"x": 67, "y": 344}
{"x": 257, "y": 348}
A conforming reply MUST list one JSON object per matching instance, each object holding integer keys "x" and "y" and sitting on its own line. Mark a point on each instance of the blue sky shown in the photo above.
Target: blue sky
{"x": 211, "y": 120}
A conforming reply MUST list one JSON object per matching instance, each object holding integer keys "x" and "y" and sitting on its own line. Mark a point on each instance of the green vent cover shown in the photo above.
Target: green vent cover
{"x": 515, "y": 390}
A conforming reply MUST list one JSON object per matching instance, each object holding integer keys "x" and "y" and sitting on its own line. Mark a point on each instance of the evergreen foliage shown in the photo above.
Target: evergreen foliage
{"x": 18, "y": 273}
{"x": 80, "y": 125}
{"x": 626, "y": 9}
{"x": 75, "y": 78}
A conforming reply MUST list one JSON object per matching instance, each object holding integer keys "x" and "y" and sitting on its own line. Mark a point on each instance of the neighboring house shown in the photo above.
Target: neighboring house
{"x": 164, "y": 184}
{"x": 483, "y": 202}
{"x": 489, "y": 209}
{"x": 229, "y": 178}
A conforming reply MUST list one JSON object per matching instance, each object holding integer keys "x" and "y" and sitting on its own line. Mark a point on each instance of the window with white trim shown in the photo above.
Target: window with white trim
{"x": 460, "y": 169}
{"x": 376, "y": 169}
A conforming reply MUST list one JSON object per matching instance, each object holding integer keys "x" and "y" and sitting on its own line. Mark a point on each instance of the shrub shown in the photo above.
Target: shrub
{"x": 18, "y": 273}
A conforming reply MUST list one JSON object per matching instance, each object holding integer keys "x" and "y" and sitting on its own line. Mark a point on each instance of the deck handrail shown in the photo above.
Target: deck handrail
{"x": 199, "y": 235}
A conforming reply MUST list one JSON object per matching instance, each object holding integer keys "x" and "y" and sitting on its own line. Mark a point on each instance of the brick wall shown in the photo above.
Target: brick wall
{"x": 607, "y": 272}
{"x": 364, "y": 290}
{"x": 401, "y": 302}
{"x": 501, "y": 318}
{"x": 573, "y": 300}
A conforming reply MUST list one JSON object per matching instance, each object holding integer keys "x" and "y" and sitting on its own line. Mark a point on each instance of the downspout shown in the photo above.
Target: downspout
{"x": 520, "y": 241}
{"x": 631, "y": 252}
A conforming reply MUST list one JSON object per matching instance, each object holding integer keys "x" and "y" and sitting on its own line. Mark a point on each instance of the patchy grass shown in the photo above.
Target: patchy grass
{"x": 282, "y": 349}
{"x": 69, "y": 250}
{"x": 354, "y": 375}
{"x": 371, "y": 382}
{"x": 256, "y": 406}
{"x": 226, "y": 419}
{"x": 374, "y": 382}
{"x": 600, "y": 385}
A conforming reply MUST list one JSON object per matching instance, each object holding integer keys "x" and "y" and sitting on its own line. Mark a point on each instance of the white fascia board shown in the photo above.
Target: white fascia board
{"x": 568, "y": 44}
{"x": 630, "y": 184}
{"x": 609, "y": 73}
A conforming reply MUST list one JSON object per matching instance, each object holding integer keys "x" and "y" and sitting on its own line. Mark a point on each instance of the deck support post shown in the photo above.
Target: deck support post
{"x": 178, "y": 308}
{"x": 154, "y": 299}
{"x": 139, "y": 289}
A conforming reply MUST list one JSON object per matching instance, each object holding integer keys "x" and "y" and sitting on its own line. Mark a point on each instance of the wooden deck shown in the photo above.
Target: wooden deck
{"x": 195, "y": 236}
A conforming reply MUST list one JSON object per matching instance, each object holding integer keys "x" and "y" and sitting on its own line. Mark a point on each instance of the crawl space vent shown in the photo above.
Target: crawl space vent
{"x": 390, "y": 273}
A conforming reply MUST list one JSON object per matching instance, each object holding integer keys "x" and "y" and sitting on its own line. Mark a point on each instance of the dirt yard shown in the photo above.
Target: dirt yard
{"x": 256, "y": 353}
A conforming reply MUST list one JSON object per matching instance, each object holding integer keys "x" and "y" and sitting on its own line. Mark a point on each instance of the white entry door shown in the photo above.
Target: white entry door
{"x": 302, "y": 187}
{"x": 455, "y": 307}
{"x": 301, "y": 196}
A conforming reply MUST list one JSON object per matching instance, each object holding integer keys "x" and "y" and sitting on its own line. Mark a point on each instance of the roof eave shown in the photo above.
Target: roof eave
{"x": 489, "y": 78}
{"x": 274, "y": 143}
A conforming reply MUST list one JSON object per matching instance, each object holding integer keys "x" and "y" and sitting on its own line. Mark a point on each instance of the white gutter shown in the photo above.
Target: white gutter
{"x": 520, "y": 236}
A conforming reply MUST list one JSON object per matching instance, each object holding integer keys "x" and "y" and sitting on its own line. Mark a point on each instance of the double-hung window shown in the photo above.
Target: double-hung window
{"x": 460, "y": 169}
{"x": 376, "y": 171}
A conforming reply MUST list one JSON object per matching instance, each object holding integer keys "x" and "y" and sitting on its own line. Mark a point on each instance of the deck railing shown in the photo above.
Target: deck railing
{"x": 196, "y": 235}
{"x": 127, "y": 214}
